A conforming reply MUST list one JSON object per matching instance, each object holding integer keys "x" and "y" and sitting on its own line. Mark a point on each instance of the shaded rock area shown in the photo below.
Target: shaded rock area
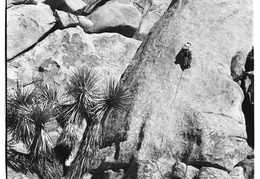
{"x": 62, "y": 51}
{"x": 248, "y": 104}
{"x": 115, "y": 17}
{"x": 26, "y": 24}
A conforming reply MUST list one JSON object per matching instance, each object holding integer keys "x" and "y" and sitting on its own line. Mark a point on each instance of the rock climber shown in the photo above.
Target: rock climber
{"x": 186, "y": 55}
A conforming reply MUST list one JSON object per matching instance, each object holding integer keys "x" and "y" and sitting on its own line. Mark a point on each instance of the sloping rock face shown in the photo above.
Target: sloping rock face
{"x": 193, "y": 115}
{"x": 63, "y": 50}
{"x": 26, "y": 24}
{"x": 116, "y": 17}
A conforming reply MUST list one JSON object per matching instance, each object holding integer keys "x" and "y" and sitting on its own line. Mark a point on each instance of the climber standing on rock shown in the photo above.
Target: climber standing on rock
{"x": 186, "y": 55}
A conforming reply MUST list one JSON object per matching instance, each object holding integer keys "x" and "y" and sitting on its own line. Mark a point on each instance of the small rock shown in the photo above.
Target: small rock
{"x": 65, "y": 19}
{"x": 191, "y": 172}
{"x": 237, "y": 66}
{"x": 237, "y": 173}
{"x": 85, "y": 23}
{"x": 179, "y": 170}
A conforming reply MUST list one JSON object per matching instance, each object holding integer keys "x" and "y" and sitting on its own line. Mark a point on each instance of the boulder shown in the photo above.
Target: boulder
{"x": 64, "y": 50}
{"x": 115, "y": 17}
{"x": 75, "y": 6}
{"x": 238, "y": 66}
{"x": 26, "y": 24}
{"x": 212, "y": 173}
{"x": 156, "y": 6}
{"x": 237, "y": 173}
{"x": 193, "y": 115}
{"x": 65, "y": 19}
{"x": 181, "y": 170}
{"x": 19, "y": 2}
{"x": 148, "y": 21}
{"x": 90, "y": 5}
{"x": 85, "y": 23}
{"x": 152, "y": 11}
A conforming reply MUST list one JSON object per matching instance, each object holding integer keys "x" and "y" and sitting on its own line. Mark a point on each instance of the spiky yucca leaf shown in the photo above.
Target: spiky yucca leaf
{"x": 18, "y": 126}
{"x": 116, "y": 97}
{"x": 82, "y": 93}
{"x": 68, "y": 136}
{"x": 17, "y": 161}
{"x": 49, "y": 94}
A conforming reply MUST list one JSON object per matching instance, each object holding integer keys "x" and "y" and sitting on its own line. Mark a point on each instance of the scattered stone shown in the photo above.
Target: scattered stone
{"x": 26, "y": 24}
{"x": 85, "y": 23}
{"x": 65, "y": 19}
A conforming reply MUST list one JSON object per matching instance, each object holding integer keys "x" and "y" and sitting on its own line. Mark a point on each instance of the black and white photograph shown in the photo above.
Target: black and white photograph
{"x": 129, "y": 89}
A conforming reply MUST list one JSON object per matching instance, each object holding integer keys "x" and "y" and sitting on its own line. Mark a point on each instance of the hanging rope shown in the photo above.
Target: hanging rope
{"x": 178, "y": 86}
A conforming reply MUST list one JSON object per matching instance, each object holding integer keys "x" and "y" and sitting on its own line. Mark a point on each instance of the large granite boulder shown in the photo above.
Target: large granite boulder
{"x": 26, "y": 24}
{"x": 193, "y": 115}
{"x": 64, "y": 50}
{"x": 123, "y": 18}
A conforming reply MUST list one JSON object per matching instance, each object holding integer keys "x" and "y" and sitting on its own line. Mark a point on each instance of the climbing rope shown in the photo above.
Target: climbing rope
{"x": 178, "y": 86}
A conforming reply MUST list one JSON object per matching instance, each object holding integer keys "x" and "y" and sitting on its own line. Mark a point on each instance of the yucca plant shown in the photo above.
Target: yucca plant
{"x": 116, "y": 97}
{"x": 27, "y": 117}
{"x": 79, "y": 99}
